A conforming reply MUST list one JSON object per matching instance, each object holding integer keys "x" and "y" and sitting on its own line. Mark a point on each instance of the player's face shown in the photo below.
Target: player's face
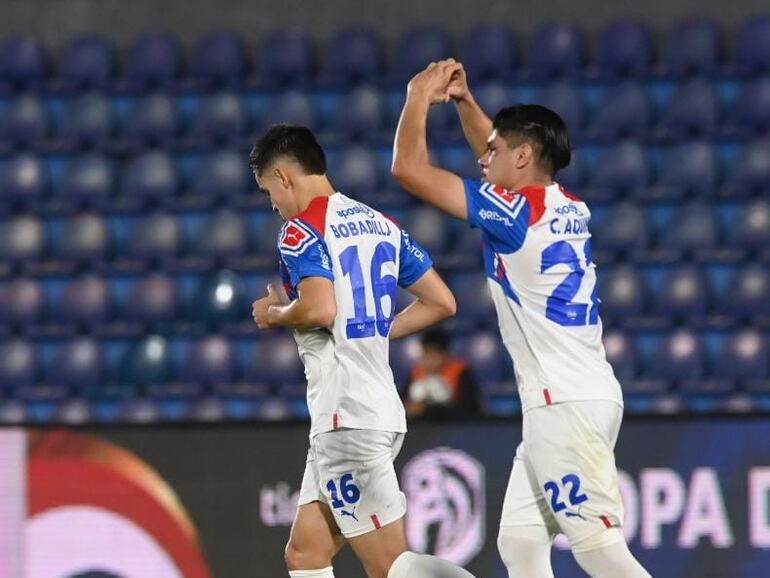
{"x": 274, "y": 184}
{"x": 500, "y": 164}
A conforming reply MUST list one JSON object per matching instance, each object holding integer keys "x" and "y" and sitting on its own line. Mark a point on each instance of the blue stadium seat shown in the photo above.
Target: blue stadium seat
{"x": 18, "y": 364}
{"x": 624, "y": 231}
{"x": 624, "y": 111}
{"x": 429, "y": 228}
{"x": 622, "y": 169}
{"x": 153, "y": 299}
{"x": 287, "y": 58}
{"x": 209, "y": 361}
{"x": 222, "y": 174}
{"x": 291, "y": 107}
{"x": 156, "y": 236}
{"x": 752, "y": 108}
{"x": 574, "y": 176}
{"x": 154, "y": 120}
{"x": 461, "y": 161}
{"x": 474, "y": 301}
{"x": 752, "y": 52}
{"x": 693, "y": 48}
{"x": 692, "y": 112}
{"x": 484, "y": 352}
{"x": 154, "y": 60}
{"x": 91, "y": 176}
{"x": 85, "y": 238}
{"x": 353, "y": 56}
{"x": 23, "y": 178}
{"x": 748, "y": 294}
{"x": 622, "y": 355}
{"x": 355, "y": 171}
{"x": 493, "y": 96}
{"x": 556, "y": 50}
{"x": 744, "y": 356}
{"x": 79, "y": 363}
{"x": 22, "y": 302}
{"x": 219, "y": 59}
{"x": 146, "y": 363}
{"x": 489, "y": 53}
{"x": 25, "y": 121}
{"x": 689, "y": 169}
{"x": 683, "y": 295}
{"x": 361, "y": 114}
{"x": 623, "y": 294}
{"x": 84, "y": 300}
{"x": 567, "y": 102}
{"x": 749, "y": 174}
{"x": 417, "y": 48}
{"x": 277, "y": 362}
{"x": 22, "y": 239}
{"x": 751, "y": 228}
{"x": 224, "y": 234}
{"x": 679, "y": 357}
{"x": 625, "y": 50}
{"x": 693, "y": 231}
{"x": 23, "y": 62}
{"x": 404, "y": 354}
{"x": 88, "y": 120}
{"x": 150, "y": 176}
{"x": 221, "y": 298}
{"x": 87, "y": 63}
{"x": 221, "y": 118}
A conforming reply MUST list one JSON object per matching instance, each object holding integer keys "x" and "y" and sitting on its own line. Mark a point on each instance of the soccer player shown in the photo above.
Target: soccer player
{"x": 341, "y": 263}
{"x": 537, "y": 255}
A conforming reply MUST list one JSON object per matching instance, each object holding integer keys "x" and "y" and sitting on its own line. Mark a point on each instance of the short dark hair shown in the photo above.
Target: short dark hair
{"x": 297, "y": 142}
{"x": 540, "y": 125}
{"x": 436, "y": 339}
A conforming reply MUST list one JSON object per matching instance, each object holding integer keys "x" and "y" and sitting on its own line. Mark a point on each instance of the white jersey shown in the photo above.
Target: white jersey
{"x": 537, "y": 256}
{"x": 366, "y": 255}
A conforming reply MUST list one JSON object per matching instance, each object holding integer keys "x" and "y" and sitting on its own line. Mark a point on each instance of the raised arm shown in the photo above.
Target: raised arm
{"x": 411, "y": 163}
{"x": 434, "y": 302}
{"x": 477, "y": 126}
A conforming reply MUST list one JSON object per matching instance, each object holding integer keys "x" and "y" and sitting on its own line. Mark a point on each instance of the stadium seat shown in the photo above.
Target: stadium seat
{"x": 429, "y": 228}
{"x": 277, "y": 362}
{"x": 622, "y": 355}
{"x": 209, "y": 361}
{"x": 744, "y": 356}
{"x": 748, "y": 294}
{"x": 361, "y": 114}
{"x": 22, "y": 239}
{"x": 679, "y": 357}
{"x": 493, "y": 96}
{"x": 556, "y": 50}
{"x": 150, "y": 176}
{"x": 90, "y": 176}
{"x": 153, "y": 299}
{"x": 353, "y": 56}
{"x": 355, "y": 171}
{"x": 222, "y": 117}
{"x": 154, "y": 60}
{"x": 692, "y": 232}
{"x": 485, "y": 353}
{"x": 751, "y": 228}
{"x": 625, "y": 50}
{"x": 404, "y": 354}
{"x": 474, "y": 300}
{"x": 622, "y": 169}
{"x": 224, "y": 234}
{"x": 623, "y": 293}
{"x": 219, "y": 59}
{"x": 146, "y": 363}
{"x": 156, "y": 236}
{"x": 749, "y": 174}
{"x": 689, "y": 169}
{"x": 18, "y": 364}
{"x": 23, "y": 178}
{"x": 87, "y": 63}
{"x": 621, "y": 233}
{"x": 567, "y": 102}
{"x": 692, "y": 112}
{"x": 489, "y": 53}
{"x": 461, "y": 161}
{"x": 693, "y": 48}
{"x": 84, "y": 238}
{"x": 154, "y": 120}
{"x": 88, "y": 121}
{"x": 22, "y": 302}
{"x": 573, "y": 177}
{"x": 752, "y": 107}
{"x": 84, "y": 300}
{"x": 221, "y": 298}
{"x": 286, "y": 58}
{"x": 222, "y": 174}
{"x": 23, "y": 63}
{"x": 624, "y": 111}
{"x": 291, "y": 107}
{"x": 752, "y": 52}
{"x": 79, "y": 363}
{"x": 417, "y": 48}
{"x": 683, "y": 295}
{"x": 24, "y": 121}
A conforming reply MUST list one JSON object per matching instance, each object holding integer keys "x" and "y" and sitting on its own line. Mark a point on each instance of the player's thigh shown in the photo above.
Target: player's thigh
{"x": 524, "y": 503}
{"x": 379, "y": 548}
{"x": 358, "y": 479}
{"x": 314, "y": 538}
{"x": 572, "y": 455}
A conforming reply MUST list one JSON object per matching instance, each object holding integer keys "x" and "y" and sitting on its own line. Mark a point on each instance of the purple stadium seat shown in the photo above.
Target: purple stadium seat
{"x": 87, "y": 63}
{"x": 693, "y": 48}
{"x": 694, "y": 230}
{"x": 417, "y": 48}
{"x": 151, "y": 175}
{"x": 622, "y": 168}
{"x": 489, "y": 53}
{"x": 153, "y": 299}
{"x": 355, "y": 171}
{"x": 84, "y": 300}
{"x": 679, "y": 357}
{"x": 224, "y": 234}
{"x": 88, "y": 120}
{"x": 748, "y": 295}
{"x": 222, "y": 174}
{"x": 290, "y": 107}
{"x": 222, "y": 117}
{"x": 18, "y": 364}
{"x": 85, "y": 237}
{"x": 692, "y": 112}
{"x": 353, "y": 56}
{"x": 622, "y": 355}
{"x": 25, "y": 121}
{"x": 210, "y": 360}
{"x": 744, "y": 356}
{"x": 22, "y": 301}
{"x": 361, "y": 114}
{"x": 623, "y": 293}
{"x": 625, "y": 50}
{"x": 623, "y": 112}
{"x": 749, "y": 174}
{"x": 751, "y": 228}
{"x": 683, "y": 294}
{"x": 286, "y": 58}
{"x": 556, "y": 50}
{"x": 23, "y": 62}
{"x": 156, "y": 236}
{"x": 90, "y": 176}
{"x": 23, "y": 177}
{"x": 219, "y": 59}
{"x": 567, "y": 102}
{"x": 277, "y": 362}
{"x": 752, "y": 109}
{"x": 78, "y": 363}
{"x": 690, "y": 169}
{"x": 154, "y": 60}
{"x": 154, "y": 120}
{"x": 752, "y": 52}
{"x": 22, "y": 239}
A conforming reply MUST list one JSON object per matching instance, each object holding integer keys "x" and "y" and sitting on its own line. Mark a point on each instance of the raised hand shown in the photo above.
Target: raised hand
{"x": 433, "y": 82}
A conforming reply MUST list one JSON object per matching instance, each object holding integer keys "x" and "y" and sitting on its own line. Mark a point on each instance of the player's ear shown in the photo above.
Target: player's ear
{"x": 283, "y": 176}
{"x": 524, "y": 155}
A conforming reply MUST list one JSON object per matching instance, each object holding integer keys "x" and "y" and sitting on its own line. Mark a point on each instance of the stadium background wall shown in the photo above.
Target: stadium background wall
{"x": 697, "y": 494}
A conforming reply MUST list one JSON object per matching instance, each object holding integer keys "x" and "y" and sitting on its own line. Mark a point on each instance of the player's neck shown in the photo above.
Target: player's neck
{"x": 534, "y": 180}
{"x": 313, "y": 186}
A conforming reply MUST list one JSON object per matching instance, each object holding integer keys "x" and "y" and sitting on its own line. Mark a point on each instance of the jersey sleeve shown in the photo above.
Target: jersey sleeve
{"x": 501, "y": 214}
{"x": 414, "y": 261}
{"x": 303, "y": 253}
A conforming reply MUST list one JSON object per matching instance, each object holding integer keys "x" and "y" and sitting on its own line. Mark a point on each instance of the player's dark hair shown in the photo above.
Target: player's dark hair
{"x": 297, "y": 142}
{"x": 436, "y": 339}
{"x": 541, "y": 126}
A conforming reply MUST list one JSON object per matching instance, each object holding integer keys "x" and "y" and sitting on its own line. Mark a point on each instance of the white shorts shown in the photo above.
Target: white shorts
{"x": 564, "y": 474}
{"x": 351, "y": 470}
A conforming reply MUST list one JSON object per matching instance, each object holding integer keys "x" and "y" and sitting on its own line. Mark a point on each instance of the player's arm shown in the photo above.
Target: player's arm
{"x": 314, "y": 307}
{"x": 411, "y": 164}
{"x": 434, "y": 302}
{"x": 477, "y": 126}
